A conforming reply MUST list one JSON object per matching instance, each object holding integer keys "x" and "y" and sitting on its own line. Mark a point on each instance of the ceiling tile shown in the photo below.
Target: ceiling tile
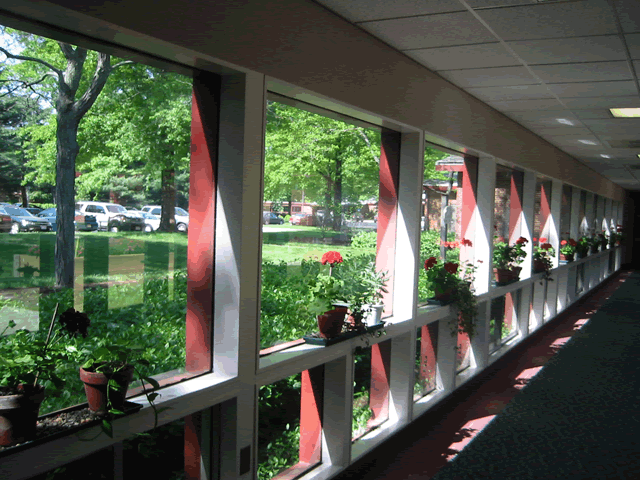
{"x": 516, "y": 92}
{"x": 546, "y": 117}
{"x": 570, "y": 50}
{"x": 583, "y": 72}
{"x": 604, "y": 102}
{"x": 560, "y": 130}
{"x": 612, "y": 123}
{"x": 430, "y": 31}
{"x": 490, "y": 77}
{"x": 592, "y": 114}
{"x": 594, "y": 89}
{"x": 539, "y": 104}
{"x": 364, "y": 10}
{"x": 497, "y": 3}
{"x": 548, "y": 20}
{"x": 465, "y": 56}
{"x": 629, "y": 13}
{"x": 633, "y": 42}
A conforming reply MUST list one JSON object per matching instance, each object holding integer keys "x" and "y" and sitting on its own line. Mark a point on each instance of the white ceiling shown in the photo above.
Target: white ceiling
{"x": 536, "y": 62}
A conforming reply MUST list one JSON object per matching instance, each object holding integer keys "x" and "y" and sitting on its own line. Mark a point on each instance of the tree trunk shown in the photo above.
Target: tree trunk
{"x": 167, "y": 217}
{"x": 67, "y": 151}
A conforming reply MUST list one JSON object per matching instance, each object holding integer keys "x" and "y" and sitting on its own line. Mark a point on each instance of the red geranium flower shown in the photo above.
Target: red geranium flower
{"x": 543, "y": 240}
{"x": 563, "y": 243}
{"x": 430, "y": 262}
{"x": 331, "y": 258}
{"x": 467, "y": 242}
{"x": 451, "y": 267}
{"x": 521, "y": 241}
{"x": 546, "y": 246}
{"x": 535, "y": 239}
{"x": 572, "y": 242}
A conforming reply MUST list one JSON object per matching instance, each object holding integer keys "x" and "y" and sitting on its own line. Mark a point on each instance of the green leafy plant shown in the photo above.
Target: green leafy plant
{"x": 326, "y": 289}
{"x": 583, "y": 245}
{"x": 507, "y": 256}
{"x": 363, "y": 285}
{"x": 568, "y": 247}
{"x": 111, "y": 359}
{"x": 26, "y": 359}
{"x": 444, "y": 280}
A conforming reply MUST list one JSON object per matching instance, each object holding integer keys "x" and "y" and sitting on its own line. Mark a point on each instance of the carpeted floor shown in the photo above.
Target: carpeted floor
{"x": 540, "y": 440}
{"x": 579, "y": 418}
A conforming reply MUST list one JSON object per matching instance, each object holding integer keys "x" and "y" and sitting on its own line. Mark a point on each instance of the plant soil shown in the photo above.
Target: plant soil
{"x": 53, "y": 424}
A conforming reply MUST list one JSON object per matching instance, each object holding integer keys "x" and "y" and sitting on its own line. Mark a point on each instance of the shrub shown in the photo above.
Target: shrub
{"x": 365, "y": 240}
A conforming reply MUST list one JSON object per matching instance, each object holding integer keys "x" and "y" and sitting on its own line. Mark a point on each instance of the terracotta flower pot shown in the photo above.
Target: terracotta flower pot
{"x": 330, "y": 323}
{"x": 567, "y": 258}
{"x": 539, "y": 266}
{"x": 505, "y": 275}
{"x": 444, "y": 298}
{"x": 18, "y": 416}
{"x": 95, "y": 387}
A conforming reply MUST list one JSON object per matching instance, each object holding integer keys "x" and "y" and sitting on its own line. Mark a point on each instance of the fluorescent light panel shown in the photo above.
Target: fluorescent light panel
{"x": 625, "y": 112}
{"x": 564, "y": 121}
{"x": 588, "y": 142}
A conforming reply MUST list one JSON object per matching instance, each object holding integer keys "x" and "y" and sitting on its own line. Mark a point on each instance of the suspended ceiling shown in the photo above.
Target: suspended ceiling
{"x": 555, "y": 67}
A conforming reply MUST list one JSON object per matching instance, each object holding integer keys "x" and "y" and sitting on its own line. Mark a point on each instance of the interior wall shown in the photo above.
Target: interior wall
{"x": 302, "y": 43}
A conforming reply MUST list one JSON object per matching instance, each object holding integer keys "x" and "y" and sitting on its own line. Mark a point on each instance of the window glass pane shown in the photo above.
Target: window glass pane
{"x": 134, "y": 147}
{"x": 441, "y": 223}
{"x": 326, "y": 172}
{"x": 565, "y": 212}
{"x": 426, "y": 360}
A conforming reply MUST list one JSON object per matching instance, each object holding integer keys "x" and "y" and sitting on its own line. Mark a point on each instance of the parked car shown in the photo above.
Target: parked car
{"x": 5, "y": 223}
{"x": 151, "y": 221}
{"x": 111, "y": 216}
{"x": 181, "y": 216}
{"x": 84, "y": 223}
{"x": 305, "y": 219}
{"x": 269, "y": 218}
{"x": 24, "y": 221}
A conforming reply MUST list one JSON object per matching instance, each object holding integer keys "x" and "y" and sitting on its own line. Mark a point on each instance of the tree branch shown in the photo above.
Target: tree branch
{"x": 57, "y": 71}
{"x": 103, "y": 70}
{"x": 119, "y": 64}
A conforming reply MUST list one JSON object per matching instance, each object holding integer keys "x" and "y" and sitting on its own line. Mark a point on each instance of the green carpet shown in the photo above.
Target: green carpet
{"x": 579, "y": 418}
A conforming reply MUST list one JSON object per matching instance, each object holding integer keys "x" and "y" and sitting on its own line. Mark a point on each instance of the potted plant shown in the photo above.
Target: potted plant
{"x": 582, "y": 247}
{"x": 568, "y": 249}
{"x": 324, "y": 292}
{"x": 27, "y": 362}
{"x": 449, "y": 288}
{"x": 601, "y": 239}
{"x": 107, "y": 373}
{"x": 507, "y": 258}
{"x": 362, "y": 290}
{"x": 542, "y": 255}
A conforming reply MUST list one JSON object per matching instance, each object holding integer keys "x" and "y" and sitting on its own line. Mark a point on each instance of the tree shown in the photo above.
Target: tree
{"x": 61, "y": 75}
{"x": 331, "y": 161}
{"x": 16, "y": 112}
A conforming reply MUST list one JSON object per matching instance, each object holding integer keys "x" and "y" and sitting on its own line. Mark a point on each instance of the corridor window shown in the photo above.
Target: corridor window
{"x": 441, "y": 212}
{"x": 113, "y": 259}
{"x": 321, "y": 190}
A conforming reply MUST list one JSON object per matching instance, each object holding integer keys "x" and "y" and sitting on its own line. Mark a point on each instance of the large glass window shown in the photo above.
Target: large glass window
{"x": 321, "y": 190}
{"x": 99, "y": 208}
{"x": 442, "y": 205}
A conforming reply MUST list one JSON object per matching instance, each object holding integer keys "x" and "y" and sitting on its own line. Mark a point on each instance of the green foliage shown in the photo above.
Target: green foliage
{"x": 278, "y": 426}
{"x": 332, "y": 161}
{"x": 366, "y": 239}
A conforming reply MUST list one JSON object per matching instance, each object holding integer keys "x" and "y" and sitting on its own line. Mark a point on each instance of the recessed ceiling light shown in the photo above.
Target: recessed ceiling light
{"x": 588, "y": 142}
{"x": 639, "y": 155}
{"x": 605, "y": 156}
{"x": 625, "y": 112}
{"x": 564, "y": 121}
